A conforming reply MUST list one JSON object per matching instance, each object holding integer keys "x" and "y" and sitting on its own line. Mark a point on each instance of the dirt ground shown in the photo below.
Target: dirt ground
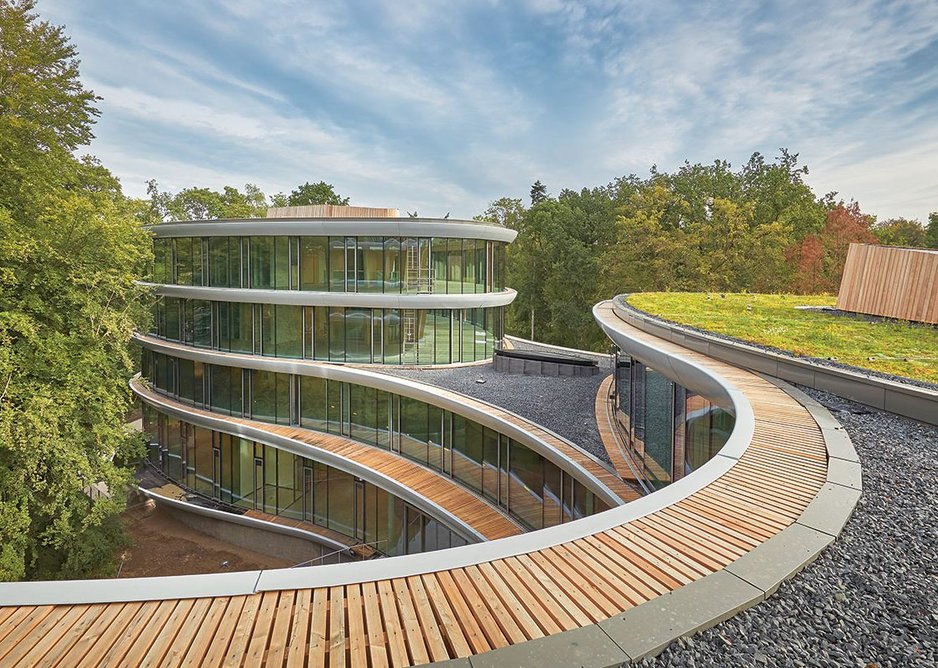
{"x": 162, "y": 545}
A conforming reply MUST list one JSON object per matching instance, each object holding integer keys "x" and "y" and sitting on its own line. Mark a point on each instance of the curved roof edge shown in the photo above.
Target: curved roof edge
{"x": 349, "y": 299}
{"x": 361, "y": 227}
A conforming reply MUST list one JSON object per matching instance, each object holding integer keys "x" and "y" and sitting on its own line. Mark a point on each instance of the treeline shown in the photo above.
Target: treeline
{"x": 703, "y": 228}
{"x": 207, "y": 204}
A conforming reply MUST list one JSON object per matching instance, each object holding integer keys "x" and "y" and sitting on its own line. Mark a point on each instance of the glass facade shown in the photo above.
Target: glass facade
{"x": 528, "y": 486}
{"x": 408, "y": 265}
{"x": 669, "y": 430}
{"x": 251, "y": 475}
{"x": 332, "y": 333}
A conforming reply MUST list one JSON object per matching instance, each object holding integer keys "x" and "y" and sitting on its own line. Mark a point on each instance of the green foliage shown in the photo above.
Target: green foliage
{"x": 931, "y": 231}
{"x": 506, "y": 211}
{"x": 702, "y": 227}
{"x": 311, "y": 193}
{"x": 70, "y": 249}
{"x": 205, "y": 204}
{"x": 900, "y": 232}
{"x": 774, "y": 320}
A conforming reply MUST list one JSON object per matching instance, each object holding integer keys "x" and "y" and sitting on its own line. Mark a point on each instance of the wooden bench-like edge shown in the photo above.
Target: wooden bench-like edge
{"x": 645, "y": 630}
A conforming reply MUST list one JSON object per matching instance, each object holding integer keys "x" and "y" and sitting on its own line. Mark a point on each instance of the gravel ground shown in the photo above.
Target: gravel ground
{"x": 871, "y": 598}
{"x": 564, "y": 405}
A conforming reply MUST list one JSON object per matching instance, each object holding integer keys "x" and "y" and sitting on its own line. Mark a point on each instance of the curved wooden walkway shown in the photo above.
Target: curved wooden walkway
{"x": 445, "y": 611}
{"x": 470, "y": 508}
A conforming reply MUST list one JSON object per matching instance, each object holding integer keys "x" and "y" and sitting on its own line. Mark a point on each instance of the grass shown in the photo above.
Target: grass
{"x": 773, "y": 320}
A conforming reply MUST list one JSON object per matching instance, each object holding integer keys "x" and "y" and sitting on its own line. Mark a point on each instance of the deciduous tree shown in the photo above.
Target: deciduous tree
{"x": 70, "y": 247}
{"x": 312, "y": 193}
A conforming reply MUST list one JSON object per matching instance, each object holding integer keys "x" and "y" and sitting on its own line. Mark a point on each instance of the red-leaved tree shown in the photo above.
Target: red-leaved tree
{"x": 819, "y": 258}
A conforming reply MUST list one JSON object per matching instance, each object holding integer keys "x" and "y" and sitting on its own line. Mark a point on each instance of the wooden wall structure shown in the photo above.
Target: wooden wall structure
{"x": 331, "y": 211}
{"x": 889, "y": 281}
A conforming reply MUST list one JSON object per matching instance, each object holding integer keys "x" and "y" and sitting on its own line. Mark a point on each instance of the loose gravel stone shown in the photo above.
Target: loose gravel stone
{"x": 563, "y": 404}
{"x": 871, "y": 598}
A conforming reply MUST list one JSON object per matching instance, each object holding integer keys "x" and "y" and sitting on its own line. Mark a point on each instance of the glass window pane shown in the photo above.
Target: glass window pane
{"x": 358, "y": 335}
{"x": 659, "y": 426}
{"x": 392, "y": 264}
{"x": 263, "y": 395}
{"x": 162, "y": 253}
{"x": 171, "y": 308}
{"x": 267, "y": 329}
{"x": 454, "y": 265}
{"x": 281, "y": 263}
{"x": 370, "y": 262}
{"x": 392, "y": 336}
{"x": 414, "y": 429}
{"x": 234, "y": 262}
{"x": 341, "y": 502}
{"x": 203, "y": 461}
{"x": 362, "y": 413}
{"x": 321, "y": 332}
{"x": 202, "y": 323}
{"x": 289, "y": 324}
{"x": 183, "y": 256}
{"x": 337, "y": 264}
{"x": 262, "y": 262}
{"x": 337, "y": 334}
{"x": 490, "y": 464}
{"x": 527, "y": 486}
{"x": 438, "y": 260}
{"x": 314, "y": 264}
{"x": 218, "y": 262}
{"x": 313, "y": 403}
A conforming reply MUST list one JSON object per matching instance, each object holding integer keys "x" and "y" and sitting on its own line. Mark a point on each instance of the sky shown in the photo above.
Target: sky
{"x": 443, "y": 107}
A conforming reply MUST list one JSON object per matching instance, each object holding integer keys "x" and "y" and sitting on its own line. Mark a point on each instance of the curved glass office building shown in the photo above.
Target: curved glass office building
{"x": 251, "y": 317}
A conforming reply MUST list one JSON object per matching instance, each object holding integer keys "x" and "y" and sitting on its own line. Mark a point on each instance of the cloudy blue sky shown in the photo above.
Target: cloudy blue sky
{"x": 445, "y": 106}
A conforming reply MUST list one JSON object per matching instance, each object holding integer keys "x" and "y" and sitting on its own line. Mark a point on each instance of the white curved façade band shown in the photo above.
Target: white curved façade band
{"x": 347, "y": 299}
{"x": 351, "y": 227}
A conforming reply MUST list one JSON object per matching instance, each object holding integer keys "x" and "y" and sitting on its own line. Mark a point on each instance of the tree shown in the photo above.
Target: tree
{"x": 505, "y": 211}
{"x": 206, "y": 204}
{"x": 819, "y": 258}
{"x": 70, "y": 251}
{"x": 931, "y": 231}
{"x": 311, "y": 193}
{"x": 900, "y": 232}
{"x": 538, "y": 193}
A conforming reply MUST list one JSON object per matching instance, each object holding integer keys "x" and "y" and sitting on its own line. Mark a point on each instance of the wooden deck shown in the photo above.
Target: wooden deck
{"x": 473, "y": 510}
{"x": 455, "y": 612}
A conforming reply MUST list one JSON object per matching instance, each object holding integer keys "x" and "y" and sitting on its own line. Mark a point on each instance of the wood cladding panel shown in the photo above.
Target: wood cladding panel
{"x": 892, "y": 282}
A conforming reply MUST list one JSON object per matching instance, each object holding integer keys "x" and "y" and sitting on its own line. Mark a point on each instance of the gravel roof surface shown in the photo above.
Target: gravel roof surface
{"x": 871, "y": 598}
{"x": 564, "y": 405}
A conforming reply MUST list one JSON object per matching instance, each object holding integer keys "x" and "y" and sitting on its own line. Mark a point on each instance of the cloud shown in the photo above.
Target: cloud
{"x": 448, "y": 108}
